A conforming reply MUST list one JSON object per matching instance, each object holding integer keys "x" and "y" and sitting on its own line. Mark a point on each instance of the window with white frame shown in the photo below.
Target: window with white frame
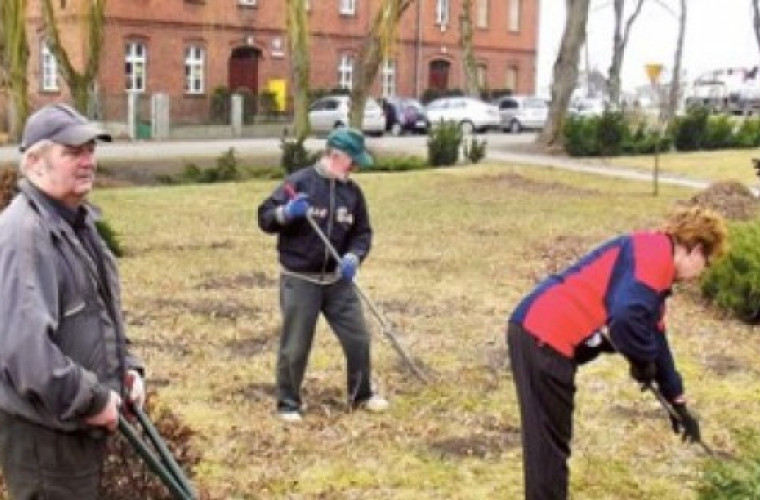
{"x": 246, "y": 2}
{"x": 48, "y": 69}
{"x": 195, "y": 61}
{"x": 135, "y": 66}
{"x": 388, "y": 78}
{"x": 511, "y": 78}
{"x": 442, "y": 12}
{"x": 346, "y": 72}
{"x": 513, "y": 16}
{"x": 348, "y": 7}
{"x": 481, "y": 16}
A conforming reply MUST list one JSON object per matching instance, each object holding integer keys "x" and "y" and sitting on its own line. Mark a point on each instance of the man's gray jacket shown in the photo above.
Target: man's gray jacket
{"x": 62, "y": 342}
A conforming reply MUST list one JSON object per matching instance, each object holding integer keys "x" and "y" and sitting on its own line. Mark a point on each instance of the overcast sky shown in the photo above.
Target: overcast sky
{"x": 719, "y": 34}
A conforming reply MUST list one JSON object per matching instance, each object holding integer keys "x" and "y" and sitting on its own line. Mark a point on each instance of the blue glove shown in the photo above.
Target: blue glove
{"x": 348, "y": 266}
{"x": 297, "y": 207}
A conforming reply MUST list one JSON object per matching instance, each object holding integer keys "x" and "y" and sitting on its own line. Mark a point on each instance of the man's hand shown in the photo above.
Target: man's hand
{"x": 135, "y": 388}
{"x": 108, "y": 417}
{"x": 296, "y": 207}
{"x": 643, "y": 373}
{"x": 687, "y": 424}
{"x": 348, "y": 266}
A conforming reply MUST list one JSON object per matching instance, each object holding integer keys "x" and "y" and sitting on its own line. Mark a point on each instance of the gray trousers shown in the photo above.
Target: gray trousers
{"x": 41, "y": 463}
{"x": 301, "y": 302}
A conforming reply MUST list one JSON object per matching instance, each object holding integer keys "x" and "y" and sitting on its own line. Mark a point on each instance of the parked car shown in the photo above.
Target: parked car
{"x": 404, "y": 114}
{"x": 330, "y": 112}
{"x": 471, "y": 114}
{"x": 587, "y": 106}
{"x": 522, "y": 112}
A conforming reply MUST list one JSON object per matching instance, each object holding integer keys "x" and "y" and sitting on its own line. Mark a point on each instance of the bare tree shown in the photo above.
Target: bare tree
{"x": 81, "y": 84}
{"x": 373, "y": 52}
{"x": 756, "y": 20}
{"x": 298, "y": 37}
{"x": 471, "y": 84}
{"x": 619, "y": 43}
{"x": 15, "y": 58}
{"x": 675, "y": 82}
{"x": 565, "y": 72}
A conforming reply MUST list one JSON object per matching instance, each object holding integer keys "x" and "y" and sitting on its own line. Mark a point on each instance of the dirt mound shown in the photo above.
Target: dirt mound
{"x": 732, "y": 199}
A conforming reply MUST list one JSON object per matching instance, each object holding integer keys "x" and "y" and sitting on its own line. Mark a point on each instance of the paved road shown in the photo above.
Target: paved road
{"x": 501, "y": 148}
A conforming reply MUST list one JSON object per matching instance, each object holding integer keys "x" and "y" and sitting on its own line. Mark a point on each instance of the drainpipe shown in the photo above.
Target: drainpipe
{"x": 418, "y": 49}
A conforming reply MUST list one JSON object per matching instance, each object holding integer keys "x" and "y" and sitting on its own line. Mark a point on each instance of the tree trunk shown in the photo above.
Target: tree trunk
{"x": 471, "y": 84}
{"x": 675, "y": 82}
{"x": 15, "y": 61}
{"x": 619, "y": 43}
{"x": 565, "y": 73}
{"x": 298, "y": 36}
{"x": 756, "y": 20}
{"x": 373, "y": 52}
{"x": 81, "y": 84}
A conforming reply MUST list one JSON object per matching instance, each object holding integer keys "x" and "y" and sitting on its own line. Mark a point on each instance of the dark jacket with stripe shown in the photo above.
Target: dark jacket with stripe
{"x": 621, "y": 285}
{"x": 337, "y": 206}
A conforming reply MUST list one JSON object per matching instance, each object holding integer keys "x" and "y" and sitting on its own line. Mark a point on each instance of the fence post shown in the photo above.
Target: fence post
{"x": 160, "y": 116}
{"x": 236, "y": 114}
{"x": 132, "y": 115}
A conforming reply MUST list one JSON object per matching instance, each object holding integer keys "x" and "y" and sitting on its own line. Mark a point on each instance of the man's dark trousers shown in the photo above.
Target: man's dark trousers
{"x": 545, "y": 382}
{"x": 42, "y": 463}
{"x": 301, "y": 301}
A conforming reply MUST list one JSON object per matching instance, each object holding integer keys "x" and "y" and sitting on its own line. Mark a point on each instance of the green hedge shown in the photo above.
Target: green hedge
{"x": 733, "y": 283}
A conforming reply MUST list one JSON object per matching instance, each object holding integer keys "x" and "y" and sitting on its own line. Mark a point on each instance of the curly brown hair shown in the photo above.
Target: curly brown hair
{"x": 692, "y": 226}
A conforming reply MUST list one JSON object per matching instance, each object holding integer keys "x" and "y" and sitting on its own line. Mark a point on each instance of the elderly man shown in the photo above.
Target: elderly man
{"x": 64, "y": 367}
{"x": 311, "y": 280}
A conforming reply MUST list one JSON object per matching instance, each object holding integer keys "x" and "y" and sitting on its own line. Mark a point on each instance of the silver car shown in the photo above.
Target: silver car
{"x": 521, "y": 112}
{"x": 471, "y": 114}
{"x": 330, "y": 112}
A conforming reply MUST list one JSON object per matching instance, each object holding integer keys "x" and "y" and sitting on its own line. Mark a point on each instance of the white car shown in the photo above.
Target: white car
{"x": 587, "y": 106}
{"x": 521, "y": 112}
{"x": 331, "y": 112}
{"x": 471, "y": 114}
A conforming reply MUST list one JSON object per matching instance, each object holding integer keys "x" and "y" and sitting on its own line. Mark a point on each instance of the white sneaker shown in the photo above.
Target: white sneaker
{"x": 289, "y": 416}
{"x": 375, "y": 404}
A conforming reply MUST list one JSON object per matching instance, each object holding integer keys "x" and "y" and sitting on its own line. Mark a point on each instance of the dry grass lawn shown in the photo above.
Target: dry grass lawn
{"x": 454, "y": 250}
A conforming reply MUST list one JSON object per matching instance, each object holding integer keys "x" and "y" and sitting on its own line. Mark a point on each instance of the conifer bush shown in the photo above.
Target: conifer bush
{"x": 474, "y": 150}
{"x": 733, "y": 283}
{"x": 444, "y": 142}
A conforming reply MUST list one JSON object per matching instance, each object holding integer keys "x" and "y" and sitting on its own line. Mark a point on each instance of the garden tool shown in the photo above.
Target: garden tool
{"x": 156, "y": 454}
{"x": 386, "y": 326}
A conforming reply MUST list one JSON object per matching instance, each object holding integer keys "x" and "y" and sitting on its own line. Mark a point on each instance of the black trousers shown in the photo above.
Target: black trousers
{"x": 545, "y": 382}
{"x": 43, "y": 464}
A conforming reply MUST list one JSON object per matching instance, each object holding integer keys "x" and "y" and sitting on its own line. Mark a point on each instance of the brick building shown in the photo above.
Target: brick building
{"x": 189, "y": 48}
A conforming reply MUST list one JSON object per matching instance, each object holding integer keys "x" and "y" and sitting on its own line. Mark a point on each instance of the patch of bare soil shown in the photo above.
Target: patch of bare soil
{"x": 557, "y": 254}
{"x": 722, "y": 365}
{"x": 248, "y": 347}
{"x": 240, "y": 281}
{"x": 126, "y": 476}
{"x": 632, "y": 412}
{"x": 732, "y": 199}
{"x": 163, "y": 308}
{"x": 511, "y": 180}
{"x": 182, "y": 247}
{"x": 482, "y": 444}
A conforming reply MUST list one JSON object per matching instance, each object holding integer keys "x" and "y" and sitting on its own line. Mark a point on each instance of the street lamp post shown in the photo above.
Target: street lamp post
{"x": 653, "y": 73}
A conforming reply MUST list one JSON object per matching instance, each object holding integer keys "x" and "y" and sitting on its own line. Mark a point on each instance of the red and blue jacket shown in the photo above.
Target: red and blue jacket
{"x": 622, "y": 285}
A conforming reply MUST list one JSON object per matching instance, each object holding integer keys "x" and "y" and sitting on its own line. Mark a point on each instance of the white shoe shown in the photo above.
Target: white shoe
{"x": 289, "y": 416}
{"x": 375, "y": 404}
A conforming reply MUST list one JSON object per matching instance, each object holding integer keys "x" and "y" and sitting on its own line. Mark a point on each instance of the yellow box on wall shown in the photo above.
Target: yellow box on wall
{"x": 278, "y": 87}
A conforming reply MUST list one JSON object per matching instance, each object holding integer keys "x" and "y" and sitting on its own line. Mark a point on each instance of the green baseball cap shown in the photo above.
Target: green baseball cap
{"x": 351, "y": 142}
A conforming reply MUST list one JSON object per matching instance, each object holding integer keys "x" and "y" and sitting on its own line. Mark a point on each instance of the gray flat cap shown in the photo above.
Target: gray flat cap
{"x": 61, "y": 124}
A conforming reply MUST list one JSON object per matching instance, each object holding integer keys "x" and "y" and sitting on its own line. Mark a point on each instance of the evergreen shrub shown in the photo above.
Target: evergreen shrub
{"x": 474, "y": 150}
{"x": 581, "y": 135}
{"x": 719, "y": 133}
{"x": 689, "y": 131}
{"x": 733, "y": 283}
{"x": 295, "y": 156}
{"x": 444, "y": 141}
